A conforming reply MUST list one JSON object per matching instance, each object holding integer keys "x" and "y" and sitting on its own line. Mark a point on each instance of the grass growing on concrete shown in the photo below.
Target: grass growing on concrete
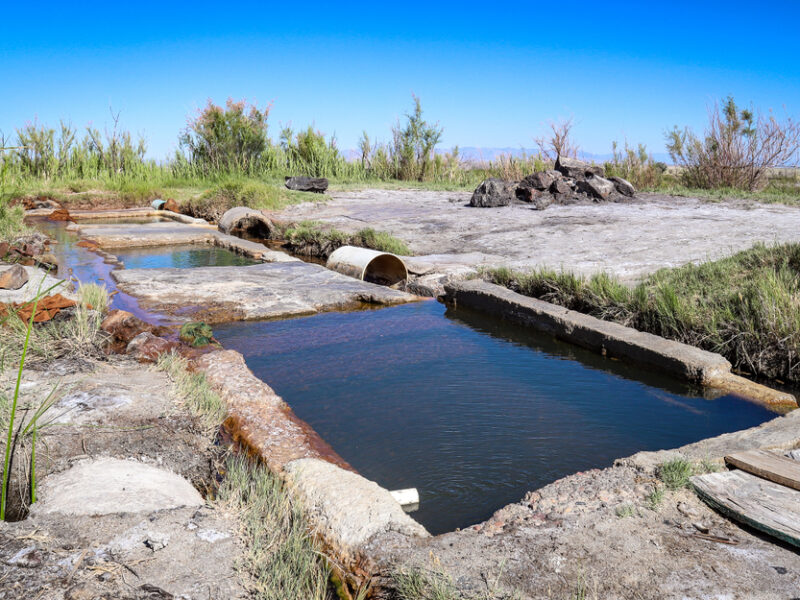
{"x": 193, "y": 389}
{"x": 281, "y": 557}
{"x": 313, "y": 239}
{"x": 745, "y": 307}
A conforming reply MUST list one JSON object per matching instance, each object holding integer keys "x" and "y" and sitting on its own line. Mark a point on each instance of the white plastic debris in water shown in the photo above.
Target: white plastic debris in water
{"x": 406, "y": 497}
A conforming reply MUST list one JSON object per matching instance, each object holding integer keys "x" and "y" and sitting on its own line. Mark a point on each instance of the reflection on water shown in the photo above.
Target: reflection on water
{"x": 184, "y": 256}
{"x": 471, "y": 411}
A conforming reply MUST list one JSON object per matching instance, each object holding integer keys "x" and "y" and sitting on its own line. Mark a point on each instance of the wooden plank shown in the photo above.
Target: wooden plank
{"x": 763, "y": 505}
{"x": 768, "y": 465}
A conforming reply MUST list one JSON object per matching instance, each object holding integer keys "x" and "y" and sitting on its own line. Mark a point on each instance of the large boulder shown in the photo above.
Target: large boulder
{"x": 307, "y": 184}
{"x": 524, "y": 193}
{"x": 538, "y": 181}
{"x": 596, "y": 187}
{"x": 493, "y": 192}
{"x": 623, "y": 186}
{"x": 251, "y": 222}
{"x": 577, "y": 169}
{"x": 13, "y": 278}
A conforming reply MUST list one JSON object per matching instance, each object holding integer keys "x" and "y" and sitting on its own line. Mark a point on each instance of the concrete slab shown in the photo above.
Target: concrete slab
{"x": 271, "y": 290}
{"x": 110, "y": 237}
{"x": 629, "y": 239}
{"x": 109, "y": 486}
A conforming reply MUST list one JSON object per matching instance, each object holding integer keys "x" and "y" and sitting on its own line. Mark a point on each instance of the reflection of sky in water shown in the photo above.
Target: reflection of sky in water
{"x": 471, "y": 411}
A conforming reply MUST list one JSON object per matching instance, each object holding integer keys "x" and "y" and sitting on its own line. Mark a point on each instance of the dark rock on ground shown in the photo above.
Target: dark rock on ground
{"x": 560, "y": 186}
{"x": 307, "y": 184}
{"x": 577, "y": 169}
{"x": 543, "y": 200}
{"x": 493, "y": 192}
{"x": 527, "y": 194}
{"x": 13, "y": 278}
{"x": 623, "y": 186}
{"x": 538, "y": 181}
{"x": 596, "y": 187}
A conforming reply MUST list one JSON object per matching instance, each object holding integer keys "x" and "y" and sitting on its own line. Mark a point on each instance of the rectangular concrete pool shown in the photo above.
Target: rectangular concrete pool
{"x": 472, "y": 411}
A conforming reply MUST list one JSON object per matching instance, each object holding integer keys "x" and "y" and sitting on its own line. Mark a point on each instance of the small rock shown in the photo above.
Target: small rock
{"x": 687, "y": 511}
{"x": 307, "y": 184}
{"x": 700, "y": 527}
{"x": 493, "y": 192}
{"x": 577, "y": 169}
{"x": 156, "y": 541}
{"x": 542, "y": 201}
{"x": 527, "y": 194}
{"x": 13, "y": 278}
{"x": 124, "y": 326}
{"x": 597, "y": 187}
{"x": 147, "y": 347}
{"x": 560, "y": 186}
{"x": 27, "y": 558}
{"x": 623, "y": 186}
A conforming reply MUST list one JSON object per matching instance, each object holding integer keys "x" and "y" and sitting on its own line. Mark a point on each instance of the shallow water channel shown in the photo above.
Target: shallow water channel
{"x": 470, "y": 410}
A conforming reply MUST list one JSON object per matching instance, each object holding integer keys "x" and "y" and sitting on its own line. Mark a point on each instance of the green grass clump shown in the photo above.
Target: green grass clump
{"x": 675, "y": 473}
{"x": 745, "y": 307}
{"x": 379, "y": 240}
{"x": 419, "y": 584}
{"x": 281, "y": 557}
{"x": 193, "y": 390}
{"x": 313, "y": 239}
{"x": 655, "y": 498}
{"x": 625, "y": 510}
{"x": 11, "y": 221}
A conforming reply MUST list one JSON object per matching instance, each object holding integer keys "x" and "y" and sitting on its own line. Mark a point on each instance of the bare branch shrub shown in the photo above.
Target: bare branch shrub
{"x": 559, "y": 141}
{"x": 739, "y": 148}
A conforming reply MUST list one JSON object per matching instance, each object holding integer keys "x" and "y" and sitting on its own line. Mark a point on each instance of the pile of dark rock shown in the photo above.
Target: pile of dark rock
{"x": 572, "y": 181}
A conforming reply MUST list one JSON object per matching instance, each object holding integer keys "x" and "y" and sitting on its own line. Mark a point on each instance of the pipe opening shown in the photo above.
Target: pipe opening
{"x": 385, "y": 269}
{"x": 252, "y": 228}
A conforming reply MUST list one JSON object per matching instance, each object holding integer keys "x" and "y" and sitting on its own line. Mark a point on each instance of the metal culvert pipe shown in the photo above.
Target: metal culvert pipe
{"x": 369, "y": 265}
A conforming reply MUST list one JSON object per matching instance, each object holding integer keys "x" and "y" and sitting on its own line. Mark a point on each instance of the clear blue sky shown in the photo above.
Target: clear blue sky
{"x": 492, "y": 73}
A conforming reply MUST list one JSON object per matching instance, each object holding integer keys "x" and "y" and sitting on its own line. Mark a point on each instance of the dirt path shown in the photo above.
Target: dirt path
{"x": 629, "y": 239}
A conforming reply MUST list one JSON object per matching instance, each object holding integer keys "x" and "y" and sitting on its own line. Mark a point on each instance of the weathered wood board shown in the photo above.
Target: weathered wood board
{"x": 768, "y": 465}
{"x": 763, "y": 505}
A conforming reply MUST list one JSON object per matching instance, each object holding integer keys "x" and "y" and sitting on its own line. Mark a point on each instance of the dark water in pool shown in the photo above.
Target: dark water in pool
{"x": 472, "y": 411}
{"x": 180, "y": 257}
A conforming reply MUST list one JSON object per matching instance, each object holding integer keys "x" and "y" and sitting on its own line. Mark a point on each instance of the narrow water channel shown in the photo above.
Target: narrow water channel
{"x": 472, "y": 411}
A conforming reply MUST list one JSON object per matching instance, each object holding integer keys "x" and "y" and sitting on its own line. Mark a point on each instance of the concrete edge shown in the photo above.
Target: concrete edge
{"x": 673, "y": 358}
{"x": 345, "y": 509}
